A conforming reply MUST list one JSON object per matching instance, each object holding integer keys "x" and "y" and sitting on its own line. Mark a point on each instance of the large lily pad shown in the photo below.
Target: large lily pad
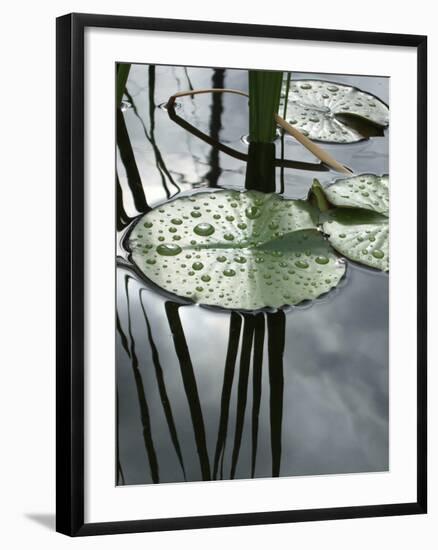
{"x": 334, "y": 113}
{"x": 359, "y": 227}
{"x": 236, "y": 250}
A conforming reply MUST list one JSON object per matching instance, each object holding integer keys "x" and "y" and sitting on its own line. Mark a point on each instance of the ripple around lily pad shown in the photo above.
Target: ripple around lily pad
{"x": 234, "y": 264}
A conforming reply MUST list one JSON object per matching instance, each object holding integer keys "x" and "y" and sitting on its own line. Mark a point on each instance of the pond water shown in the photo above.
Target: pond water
{"x": 209, "y": 394}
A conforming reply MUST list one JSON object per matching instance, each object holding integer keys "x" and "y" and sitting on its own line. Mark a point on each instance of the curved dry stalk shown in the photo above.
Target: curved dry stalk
{"x": 297, "y": 165}
{"x": 312, "y": 147}
{"x": 316, "y": 150}
{"x": 173, "y": 97}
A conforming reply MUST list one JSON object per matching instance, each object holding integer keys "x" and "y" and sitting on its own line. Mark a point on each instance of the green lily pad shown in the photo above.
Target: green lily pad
{"x": 359, "y": 227}
{"x": 334, "y": 113}
{"x": 245, "y": 250}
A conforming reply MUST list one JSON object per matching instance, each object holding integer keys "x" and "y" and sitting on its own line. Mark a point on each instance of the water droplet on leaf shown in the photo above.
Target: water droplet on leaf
{"x": 204, "y": 229}
{"x": 169, "y": 249}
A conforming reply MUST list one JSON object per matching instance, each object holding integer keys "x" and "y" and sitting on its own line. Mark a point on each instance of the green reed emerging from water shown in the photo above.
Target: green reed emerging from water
{"x": 264, "y": 102}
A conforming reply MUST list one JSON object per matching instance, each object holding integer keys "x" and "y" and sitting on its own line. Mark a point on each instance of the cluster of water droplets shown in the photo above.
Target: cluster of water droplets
{"x": 312, "y": 107}
{"x": 242, "y": 250}
{"x": 366, "y": 191}
{"x": 359, "y": 228}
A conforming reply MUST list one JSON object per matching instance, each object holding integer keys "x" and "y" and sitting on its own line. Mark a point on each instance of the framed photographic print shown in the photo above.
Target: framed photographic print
{"x": 241, "y": 266}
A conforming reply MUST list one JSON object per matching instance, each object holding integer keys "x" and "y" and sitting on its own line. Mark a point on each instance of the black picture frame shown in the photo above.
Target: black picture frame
{"x": 70, "y": 273}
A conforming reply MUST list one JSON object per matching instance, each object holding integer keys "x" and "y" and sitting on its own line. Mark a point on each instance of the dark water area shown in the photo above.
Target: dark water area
{"x": 209, "y": 394}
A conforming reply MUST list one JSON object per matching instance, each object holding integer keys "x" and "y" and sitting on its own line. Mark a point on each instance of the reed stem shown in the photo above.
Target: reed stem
{"x": 264, "y": 102}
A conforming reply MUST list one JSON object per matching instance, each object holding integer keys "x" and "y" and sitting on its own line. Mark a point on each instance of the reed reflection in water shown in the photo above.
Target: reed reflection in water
{"x": 245, "y": 349}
